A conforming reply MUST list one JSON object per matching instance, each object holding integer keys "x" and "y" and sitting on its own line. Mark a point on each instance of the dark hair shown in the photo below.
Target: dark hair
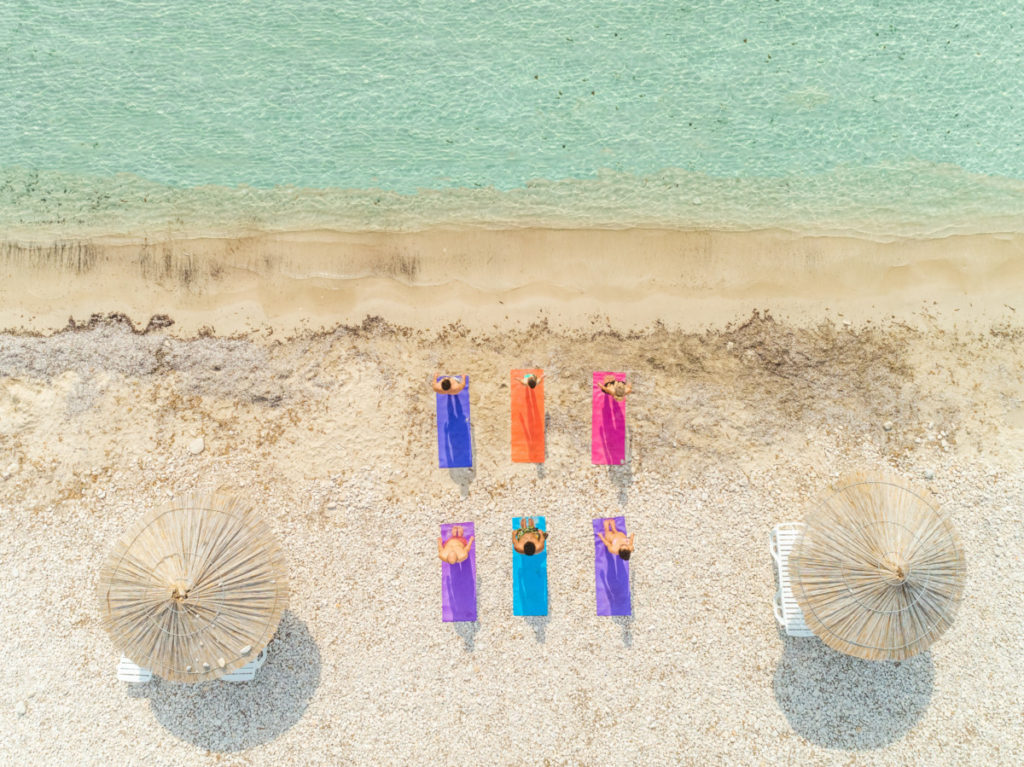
{"x": 446, "y": 383}
{"x": 532, "y": 382}
{"x": 624, "y": 553}
{"x": 529, "y": 549}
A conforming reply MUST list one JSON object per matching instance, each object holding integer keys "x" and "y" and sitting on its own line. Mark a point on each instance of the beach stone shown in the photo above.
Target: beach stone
{"x": 246, "y": 650}
{"x": 21, "y": 708}
{"x": 887, "y": 425}
{"x": 196, "y": 446}
{"x": 929, "y": 474}
{"x": 332, "y": 506}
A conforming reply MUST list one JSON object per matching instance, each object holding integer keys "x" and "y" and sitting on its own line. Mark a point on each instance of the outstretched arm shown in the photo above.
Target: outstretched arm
{"x": 440, "y": 548}
{"x": 631, "y": 541}
{"x": 469, "y": 543}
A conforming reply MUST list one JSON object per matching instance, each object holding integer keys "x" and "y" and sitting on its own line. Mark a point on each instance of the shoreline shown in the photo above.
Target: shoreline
{"x": 296, "y": 282}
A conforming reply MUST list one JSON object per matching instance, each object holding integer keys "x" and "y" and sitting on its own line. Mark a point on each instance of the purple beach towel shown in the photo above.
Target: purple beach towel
{"x": 458, "y": 581}
{"x": 454, "y": 441}
{"x": 611, "y": 574}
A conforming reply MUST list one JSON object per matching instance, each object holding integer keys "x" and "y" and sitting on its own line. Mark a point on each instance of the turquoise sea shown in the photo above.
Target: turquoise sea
{"x": 880, "y": 116}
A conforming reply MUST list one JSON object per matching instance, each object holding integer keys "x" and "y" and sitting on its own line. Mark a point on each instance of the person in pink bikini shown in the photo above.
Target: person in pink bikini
{"x": 456, "y": 548}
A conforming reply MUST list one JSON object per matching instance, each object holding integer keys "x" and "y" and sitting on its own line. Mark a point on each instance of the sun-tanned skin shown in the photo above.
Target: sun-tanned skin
{"x": 617, "y": 389}
{"x": 528, "y": 533}
{"x": 614, "y": 540}
{"x": 455, "y": 384}
{"x": 525, "y": 380}
{"x": 456, "y": 548}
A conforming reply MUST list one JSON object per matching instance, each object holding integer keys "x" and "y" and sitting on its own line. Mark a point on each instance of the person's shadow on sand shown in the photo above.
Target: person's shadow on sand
{"x": 232, "y": 716}
{"x": 838, "y": 701}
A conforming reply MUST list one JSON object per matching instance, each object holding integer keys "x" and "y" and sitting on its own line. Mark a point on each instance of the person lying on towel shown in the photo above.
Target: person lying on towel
{"x": 616, "y": 542}
{"x": 531, "y": 380}
{"x": 617, "y": 389}
{"x": 528, "y": 539}
{"x": 448, "y": 384}
{"x": 456, "y": 548}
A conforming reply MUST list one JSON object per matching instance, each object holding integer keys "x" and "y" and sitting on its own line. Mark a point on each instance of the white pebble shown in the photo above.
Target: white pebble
{"x": 21, "y": 708}
{"x": 929, "y": 474}
{"x": 887, "y": 425}
{"x": 196, "y": 446}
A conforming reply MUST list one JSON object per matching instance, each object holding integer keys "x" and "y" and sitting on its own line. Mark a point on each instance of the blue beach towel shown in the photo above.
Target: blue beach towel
{"x": 530, "y": 577}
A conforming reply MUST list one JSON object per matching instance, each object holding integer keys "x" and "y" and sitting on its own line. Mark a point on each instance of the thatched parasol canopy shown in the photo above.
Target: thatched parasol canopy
{"x": 879, "y": 570}
{"x": 195, "y": 589}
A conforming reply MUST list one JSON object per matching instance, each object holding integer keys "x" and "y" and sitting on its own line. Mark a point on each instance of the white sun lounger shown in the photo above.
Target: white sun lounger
{"x": 787, "y": 612}
{"x": 247, "y": 672}
{"x": 131, "y": 673}
{"x": 135, "y": 674}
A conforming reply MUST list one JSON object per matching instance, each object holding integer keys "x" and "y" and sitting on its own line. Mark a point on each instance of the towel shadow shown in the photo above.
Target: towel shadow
{"x": 541, "y": 471}
{"x": 468, "y": 631}
{"x": 464, "y": 476}
{"x": 625, "y": 622}
{"x": 838, "y": 701}
{"x": 539, "y": 624}
{"x": 622, "y": 477}
{"x": 232, "y": 716}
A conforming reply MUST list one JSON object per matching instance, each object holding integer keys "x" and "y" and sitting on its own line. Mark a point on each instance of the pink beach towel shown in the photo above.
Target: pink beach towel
{"x": 608, "y": 425}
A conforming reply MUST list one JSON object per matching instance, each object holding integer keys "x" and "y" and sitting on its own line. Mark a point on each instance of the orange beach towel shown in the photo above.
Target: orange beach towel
{"x": 527, "y": 418}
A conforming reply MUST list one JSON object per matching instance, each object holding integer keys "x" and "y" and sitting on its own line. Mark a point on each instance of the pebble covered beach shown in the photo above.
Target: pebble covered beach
{"x": 730, "y": 431}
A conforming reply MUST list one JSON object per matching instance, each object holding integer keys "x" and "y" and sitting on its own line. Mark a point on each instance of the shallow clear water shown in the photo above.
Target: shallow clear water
{"x": 805, "y": 114}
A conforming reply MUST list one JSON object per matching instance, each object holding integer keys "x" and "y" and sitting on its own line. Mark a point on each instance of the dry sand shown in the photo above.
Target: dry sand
{"x": 763, "y": 365}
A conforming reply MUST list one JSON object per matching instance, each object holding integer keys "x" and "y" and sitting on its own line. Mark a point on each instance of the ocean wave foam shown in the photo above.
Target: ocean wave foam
{"x": 913, "y": 199}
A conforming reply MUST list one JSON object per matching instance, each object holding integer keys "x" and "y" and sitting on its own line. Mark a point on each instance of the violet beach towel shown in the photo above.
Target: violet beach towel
{"x": 458, "y": 581}
{"x": 608, "y": 424}
{"x": 454, "y": 444}
{"x": 611, "y": 575}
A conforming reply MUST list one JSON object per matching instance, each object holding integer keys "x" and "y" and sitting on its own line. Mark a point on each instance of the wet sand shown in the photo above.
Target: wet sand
{"x": 301, "y": 281}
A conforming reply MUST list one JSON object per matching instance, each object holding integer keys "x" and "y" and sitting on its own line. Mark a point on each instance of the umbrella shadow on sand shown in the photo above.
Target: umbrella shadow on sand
{"x": 839, "y": 701}
{"x": 231, "y": 716}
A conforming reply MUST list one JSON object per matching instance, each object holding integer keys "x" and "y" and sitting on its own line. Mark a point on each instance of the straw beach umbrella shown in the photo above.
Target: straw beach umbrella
{"x": 195, "y": 589}
{"x": 878, "y": 570}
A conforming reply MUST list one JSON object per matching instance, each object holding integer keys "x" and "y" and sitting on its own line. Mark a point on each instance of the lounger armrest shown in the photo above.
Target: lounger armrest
{"x": 777, "y": 606}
